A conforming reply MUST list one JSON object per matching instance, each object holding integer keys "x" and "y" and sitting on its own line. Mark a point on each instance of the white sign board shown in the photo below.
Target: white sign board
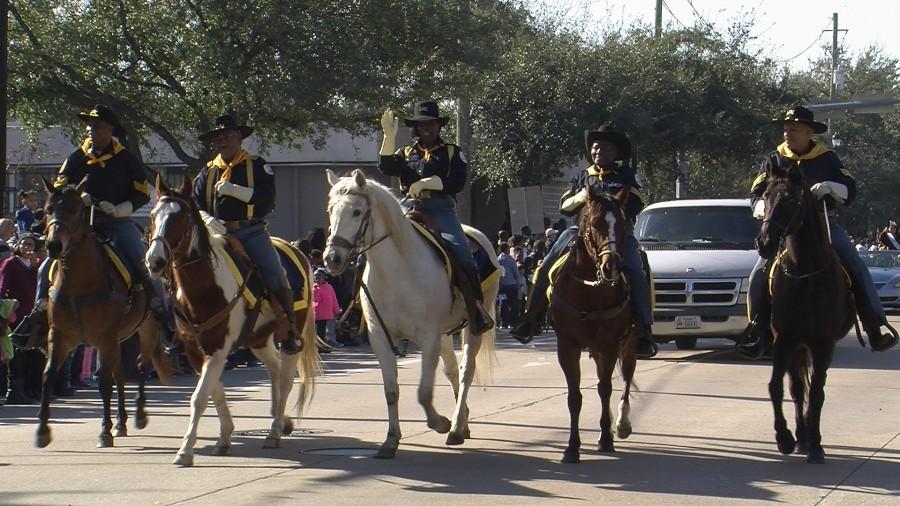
{"x": 526, "y": 207}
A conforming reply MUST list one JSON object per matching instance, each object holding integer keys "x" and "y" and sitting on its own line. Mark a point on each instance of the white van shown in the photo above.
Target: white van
{"x": 701, "y": 253}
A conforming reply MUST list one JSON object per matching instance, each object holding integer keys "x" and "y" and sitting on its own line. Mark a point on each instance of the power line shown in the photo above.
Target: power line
{"x": 697, "y": 13}
{"x": 673, "y": 14}
{"x": 811, "y": 44}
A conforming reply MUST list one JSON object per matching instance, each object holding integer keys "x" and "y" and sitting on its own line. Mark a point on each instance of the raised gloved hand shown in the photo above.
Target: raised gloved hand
{"x": 239, "y": 192}
{"x": 575, "y": 201}
{"x": 122, "y": 210}
{"x": 87, "y": 199}
{"x": 213, "y": 224}
{"x": 837, "y": 190}
{"x": 426, "y": 183}
{"x": 759, "y": 209}
{"x": 389, "y": 125}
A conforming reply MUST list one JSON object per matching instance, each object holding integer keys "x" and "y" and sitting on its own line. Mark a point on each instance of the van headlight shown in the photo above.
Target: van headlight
{"x": 897, "y": 284}
{"x": 745, "y": 285}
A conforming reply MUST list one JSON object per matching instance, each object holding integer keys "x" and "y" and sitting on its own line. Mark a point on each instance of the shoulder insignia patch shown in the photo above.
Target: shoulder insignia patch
{"x": 268, "y": 169}
{"x": 462, "y": 156}
{"x": 638, "y": 179}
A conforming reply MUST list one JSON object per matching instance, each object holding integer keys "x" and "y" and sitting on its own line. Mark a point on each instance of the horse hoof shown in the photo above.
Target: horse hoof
{"x": 105, "y": 441}
{"x": 802, "y": 447}
{"x": 272, "y": 442}
{"x": 184, "y": 460}
{"x": 816, "y": 456}
{"x": 467, "y": 434}
{"x": 386, "y": 452}
{"x": 623, "y": 430}
{"x": 121, "y": 432}
{"x": 140, "y": 422}
{"x": 786, "y": 442}
{"x": 606, "y": 447}
{"x": 287, "y": 428}
{"x": 43, "y": 440}
{"x": 571, "y": 457}
{"x": 222, "y": 451}
{"x": 442, "y": 426}
{"x": 454, "y": 439}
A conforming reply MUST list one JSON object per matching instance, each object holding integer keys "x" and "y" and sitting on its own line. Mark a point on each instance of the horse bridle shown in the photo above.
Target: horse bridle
{"x": 73, "y": 243}
{"x": 167, "y": 247}
{"x": 353, "y": 247}
{"x": 786, "y": 229}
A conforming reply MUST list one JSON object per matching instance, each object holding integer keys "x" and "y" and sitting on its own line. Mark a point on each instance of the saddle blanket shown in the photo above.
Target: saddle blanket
{"x": 120, "y": 265}
{"x": 297, "y": 276}
{"x": 488, "y": 273}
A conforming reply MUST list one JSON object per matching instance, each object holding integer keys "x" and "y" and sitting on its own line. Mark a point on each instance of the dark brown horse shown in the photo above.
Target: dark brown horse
{"x": 591, "y": 308}
{"x": 811, "y": 306}
{"x": 89, "y": 303}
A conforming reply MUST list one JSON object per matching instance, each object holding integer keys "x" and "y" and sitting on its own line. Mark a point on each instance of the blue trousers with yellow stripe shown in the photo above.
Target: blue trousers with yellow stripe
{"x": 258, "y": 244}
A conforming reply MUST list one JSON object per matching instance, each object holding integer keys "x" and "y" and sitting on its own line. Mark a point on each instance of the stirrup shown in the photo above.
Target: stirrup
{"x": 646, "y": 346}
{"x": 291, "y": 345}
{"x": 883, "y": 342}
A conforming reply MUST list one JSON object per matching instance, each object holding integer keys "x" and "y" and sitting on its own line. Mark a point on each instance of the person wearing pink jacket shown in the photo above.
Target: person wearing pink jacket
{"x": 326, "y": 308}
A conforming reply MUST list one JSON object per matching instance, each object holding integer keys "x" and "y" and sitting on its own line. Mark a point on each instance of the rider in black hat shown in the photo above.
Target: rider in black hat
{"x": 828, "y": 180}
{"x": 116, "y": 184}
{"x": 603, "y": 148}
{"x": 235, "y": 193}
{"x": 431, "y": 173}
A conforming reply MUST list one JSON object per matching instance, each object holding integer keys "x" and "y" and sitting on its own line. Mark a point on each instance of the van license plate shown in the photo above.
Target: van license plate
{"x": 687, "y": 322}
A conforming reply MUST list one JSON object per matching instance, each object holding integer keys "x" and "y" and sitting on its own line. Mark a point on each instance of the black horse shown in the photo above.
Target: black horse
{"x": 812, "y": 306}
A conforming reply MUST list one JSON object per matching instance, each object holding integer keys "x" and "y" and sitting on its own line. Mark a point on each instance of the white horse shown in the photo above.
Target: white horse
{"x": 412, "y": 295}
{"x": 207, "y": 294}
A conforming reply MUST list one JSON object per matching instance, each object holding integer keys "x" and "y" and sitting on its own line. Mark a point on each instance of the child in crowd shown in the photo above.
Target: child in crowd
{"x": 326, "y": 308}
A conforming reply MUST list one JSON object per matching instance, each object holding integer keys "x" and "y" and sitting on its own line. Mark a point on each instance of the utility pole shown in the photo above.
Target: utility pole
{"x": 4, "y": 72}
{"x": 835, "y": 59}
{"x": 659, "y": 7}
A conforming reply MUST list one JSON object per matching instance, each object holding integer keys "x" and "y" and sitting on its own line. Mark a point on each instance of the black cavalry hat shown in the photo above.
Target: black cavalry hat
{"x": 103, "y": 112}
{"x": 800, "y": 114}
{"x": 226, "y": 122}
{"x": 607, "y": 132}
{"x": 427, "y": 110}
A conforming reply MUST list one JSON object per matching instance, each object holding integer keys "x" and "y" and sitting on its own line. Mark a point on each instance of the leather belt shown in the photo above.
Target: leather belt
{"x": 231, "y": 226}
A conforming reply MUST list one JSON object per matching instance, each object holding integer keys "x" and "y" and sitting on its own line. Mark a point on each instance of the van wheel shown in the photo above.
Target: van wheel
{"x": 685, "y": 343}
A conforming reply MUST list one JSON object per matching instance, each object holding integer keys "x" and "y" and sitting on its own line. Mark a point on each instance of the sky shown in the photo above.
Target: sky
{"x": 790, "y": 29}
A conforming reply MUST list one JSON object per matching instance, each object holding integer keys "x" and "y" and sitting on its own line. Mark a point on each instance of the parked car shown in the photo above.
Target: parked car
{"x": 884, "y": 266}
{"x": 700, "y": 253}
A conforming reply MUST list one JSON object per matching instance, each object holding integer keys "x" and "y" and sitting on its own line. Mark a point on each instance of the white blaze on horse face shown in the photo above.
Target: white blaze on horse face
{"x": 157, "y": 250}
{"x": 611, "y": 222}
{"x": 344, "y": 222}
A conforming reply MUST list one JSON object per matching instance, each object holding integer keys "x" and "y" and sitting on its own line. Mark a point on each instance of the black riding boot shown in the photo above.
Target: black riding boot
{"x": 879, "y": 341}
{"x": 647, "y": 347}
{"x": 470, "y": 286}
{"x": 532, "y": 320}
{"x": 291, "y": 344}
{"x": 163, "y": 316}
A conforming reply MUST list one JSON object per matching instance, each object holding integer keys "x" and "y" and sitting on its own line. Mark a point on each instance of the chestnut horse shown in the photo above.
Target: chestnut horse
{"x": 89, "y": 303}
{"x": 811, "y": 306}
{"x": 211, "y": 301}
{"x": 591, "y": 308}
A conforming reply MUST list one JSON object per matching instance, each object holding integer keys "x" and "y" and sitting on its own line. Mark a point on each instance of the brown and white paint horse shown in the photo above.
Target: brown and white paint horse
{"x": 207, "y": 294}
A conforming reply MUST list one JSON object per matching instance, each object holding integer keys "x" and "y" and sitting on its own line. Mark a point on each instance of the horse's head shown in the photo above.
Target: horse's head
{"x": 66, "y": 214}
{"x": 172, "y": 226}
{"x": 349, "y": 215}
{"x": 602, "y": 231}
{"x": 784, "y": 197}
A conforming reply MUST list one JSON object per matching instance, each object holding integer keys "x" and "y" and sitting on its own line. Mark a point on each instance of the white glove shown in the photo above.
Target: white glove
{"x": 87, "y": 199}
{"x": 389, "y": 125}
{"x": 213, "y": 224}
{"x": 759, "y": 209}
{"x": 426, "y": 183}
{"x": 122, "y": 210}
{"x": 575, "y": 201}
{"x": 837, "y": 190}
{"x": 239, "y": 192}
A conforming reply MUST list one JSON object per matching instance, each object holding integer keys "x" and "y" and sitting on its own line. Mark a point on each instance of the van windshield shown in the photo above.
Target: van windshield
{"x": 727, "y": 227}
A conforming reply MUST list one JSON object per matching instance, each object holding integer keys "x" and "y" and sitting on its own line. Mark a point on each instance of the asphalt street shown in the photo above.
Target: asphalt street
{"x": 702, "y": 434}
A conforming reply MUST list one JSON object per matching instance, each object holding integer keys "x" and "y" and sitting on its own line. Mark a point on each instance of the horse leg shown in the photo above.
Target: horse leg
{"x": 388, "y": 362}
{"x": 274, "y": 366}
{"x": 286, "y": 380}
{"x": 799, "y": 391}
{"x": 209, "y": 375}
{"x": 568, "y": 356}
{"x": 56, "y": 354}
{"x": 459, "y": 431}
{"x": 451, "y": 371}
{"x": 783, "y": 436}
{"x": 121, "y": 414}
{"x": 606, "y": 362}
{"x": 629, "y": 362}
{"x": 140, "y": 414}
{"x": 436, "y": 421}
{"x": 226, "y": 424}
{"x": 105, "y": 439}
{"x": 821, "y": 360}
{"x": 148, "y": 335}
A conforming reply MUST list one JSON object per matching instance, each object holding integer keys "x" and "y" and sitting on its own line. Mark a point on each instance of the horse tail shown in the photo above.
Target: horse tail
{"x": 152, "y": 349}
{"x": 309, "y": 367}
{"x": 487, "y": 357}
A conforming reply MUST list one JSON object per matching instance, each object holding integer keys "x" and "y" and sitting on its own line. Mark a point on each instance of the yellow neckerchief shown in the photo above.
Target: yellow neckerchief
{"x": 816, "y": 151}
{"x": 593, "y": 170}
{"x": 426, "y": 152}
{"x": 87, "y": 148}
{"x": 219, "y": 163}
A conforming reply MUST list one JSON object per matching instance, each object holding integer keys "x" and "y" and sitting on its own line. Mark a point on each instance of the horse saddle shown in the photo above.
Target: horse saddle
{"x": 239, "y": 263}
{"x": 487, "y": 272}
{"x": 118, "y": 261}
